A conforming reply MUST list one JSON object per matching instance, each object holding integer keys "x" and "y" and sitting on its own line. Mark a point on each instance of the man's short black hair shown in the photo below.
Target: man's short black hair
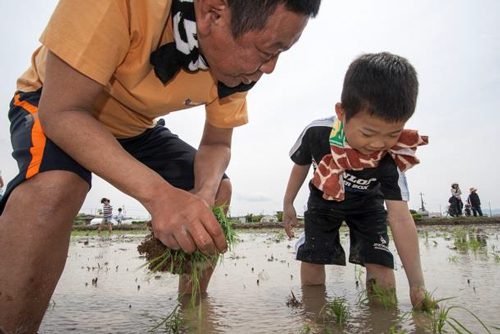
{"x": 383, "y": 84}
{"x": 104, "y": 199}
{"x": 248, "y": 15}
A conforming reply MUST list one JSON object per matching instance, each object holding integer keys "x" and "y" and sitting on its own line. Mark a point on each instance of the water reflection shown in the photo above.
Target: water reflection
{"x": 126, "y": 299}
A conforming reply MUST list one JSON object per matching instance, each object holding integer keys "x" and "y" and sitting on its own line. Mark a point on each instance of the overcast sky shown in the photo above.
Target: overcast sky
{"x": 453, "y": 44}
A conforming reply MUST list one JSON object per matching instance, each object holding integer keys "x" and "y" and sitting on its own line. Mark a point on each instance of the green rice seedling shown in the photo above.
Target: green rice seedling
{"x": 336, "y": 310}
{"x": 460, "y": 239}
{"x": 172, "y": 323}
{"x": 280, "y": 236}
{"x": 497, "y": 258}
{"x": 471, "y": 240}
{"x": 306, "y": 329}
{"x": 292, "y": 301}
{"x": 162, "y": 259}
{"x": 226, "y": 224}
{"x": 378, "y": 294}
{"x": 394, "y": 329}
{"x": 441, "y": 318}
{"x": 429, "y": 304}
{"x": 474, "y": 244}
{"x": 453, "y": 259}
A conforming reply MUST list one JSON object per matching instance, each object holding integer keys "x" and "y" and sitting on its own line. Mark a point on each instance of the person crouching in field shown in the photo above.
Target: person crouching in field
{"x": 107, "y": 215}
{"x": 359, "y": 157}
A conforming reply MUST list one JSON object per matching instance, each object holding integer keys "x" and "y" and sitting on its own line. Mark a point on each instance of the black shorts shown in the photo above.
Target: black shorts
{"x": 157, "y": 148}
{"x": 367, "y": 222}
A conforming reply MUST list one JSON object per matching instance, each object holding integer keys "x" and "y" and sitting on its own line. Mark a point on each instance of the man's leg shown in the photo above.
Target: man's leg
{"x": 34, "y": 235}
{"x": 223, "y": 197}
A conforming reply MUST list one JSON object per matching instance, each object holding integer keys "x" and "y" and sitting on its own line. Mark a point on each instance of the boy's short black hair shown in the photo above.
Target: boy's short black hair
{"x": 104, "y": 199}
{"x": 383, "y": 84}
{"x": 248, "y": 15}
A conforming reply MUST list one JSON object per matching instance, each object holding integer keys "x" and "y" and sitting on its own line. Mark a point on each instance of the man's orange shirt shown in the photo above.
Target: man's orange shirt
{"x": 110, "y": 41}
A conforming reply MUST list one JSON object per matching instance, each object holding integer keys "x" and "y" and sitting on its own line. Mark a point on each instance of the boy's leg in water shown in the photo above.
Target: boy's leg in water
{"x": 35, "y": 228}
{"x": 381, "y": 276}
{"x": 312, "y": 274}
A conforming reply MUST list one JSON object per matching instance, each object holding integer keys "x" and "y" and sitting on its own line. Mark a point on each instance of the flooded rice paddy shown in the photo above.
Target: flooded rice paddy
{"x": 106, "y": 289}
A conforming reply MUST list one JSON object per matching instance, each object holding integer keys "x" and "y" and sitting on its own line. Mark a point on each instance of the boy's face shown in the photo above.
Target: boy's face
{"x": 368, "y": 134}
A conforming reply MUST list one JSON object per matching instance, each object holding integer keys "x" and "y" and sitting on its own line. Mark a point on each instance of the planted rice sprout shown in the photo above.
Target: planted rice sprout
{"x": 469, "y": 240}
{"x": 293, "y": 301}
{"x": 172, "y": 323}
{"x": 441, "y": 318}
{"x": 429, "y": 304}
{"x": 162, "y": 259}
{"x": 336, "y": 310}
{"x": 394, "y": 329}
{"x": 378, "y": 294}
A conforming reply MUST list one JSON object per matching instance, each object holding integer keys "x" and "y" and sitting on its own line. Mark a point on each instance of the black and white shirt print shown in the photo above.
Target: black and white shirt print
{"x": 185, "y": 34}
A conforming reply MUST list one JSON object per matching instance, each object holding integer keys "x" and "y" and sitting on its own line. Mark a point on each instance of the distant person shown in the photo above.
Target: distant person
{"x": 107, "y": 215}
{"x": 455, "y": 201}
{"x": 474, "y": 202}
{"x": 359, "y": 158}
{"x": 119, "y": 216}
{"x": 467, "y": 209}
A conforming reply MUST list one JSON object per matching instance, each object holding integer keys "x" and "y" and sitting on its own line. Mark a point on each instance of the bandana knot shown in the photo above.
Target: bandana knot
{"x": 328, "y": 175}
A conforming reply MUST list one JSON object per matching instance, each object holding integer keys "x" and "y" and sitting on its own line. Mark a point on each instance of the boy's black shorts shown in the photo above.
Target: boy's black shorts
{"x": 157, "y": 148}
{"x": 367, "y": 224}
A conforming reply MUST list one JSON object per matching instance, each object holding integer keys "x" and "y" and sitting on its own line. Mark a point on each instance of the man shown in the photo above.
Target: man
{"x": 92, "y": 93}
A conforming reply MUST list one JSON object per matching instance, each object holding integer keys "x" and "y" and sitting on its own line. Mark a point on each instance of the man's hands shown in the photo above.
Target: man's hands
{"x": 182, "y": 220}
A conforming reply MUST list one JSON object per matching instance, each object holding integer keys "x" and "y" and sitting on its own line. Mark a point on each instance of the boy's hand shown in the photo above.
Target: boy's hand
{"x": 289, "y": 220}
{"x": 417, "y": 297}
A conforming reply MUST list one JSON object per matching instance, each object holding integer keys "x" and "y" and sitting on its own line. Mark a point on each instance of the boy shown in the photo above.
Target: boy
{"x": 355, "y": 172}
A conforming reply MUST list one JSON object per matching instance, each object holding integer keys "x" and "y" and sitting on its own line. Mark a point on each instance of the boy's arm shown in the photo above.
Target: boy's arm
{"x": 406, "y": 239}
{"x": 295, "y": 181}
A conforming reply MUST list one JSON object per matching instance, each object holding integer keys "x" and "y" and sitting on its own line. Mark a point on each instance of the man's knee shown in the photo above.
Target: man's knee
{"x": 224, "y": 193}
{"x": 48, "y": 193}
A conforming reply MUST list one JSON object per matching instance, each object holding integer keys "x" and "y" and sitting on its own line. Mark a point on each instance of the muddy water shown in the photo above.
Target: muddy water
{"x": 250, "y": 289}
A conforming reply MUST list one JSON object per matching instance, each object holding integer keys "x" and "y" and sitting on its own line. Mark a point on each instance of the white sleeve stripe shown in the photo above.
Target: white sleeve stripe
{"x": 403, "y": 186}
{"x": 327, "y": 122}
